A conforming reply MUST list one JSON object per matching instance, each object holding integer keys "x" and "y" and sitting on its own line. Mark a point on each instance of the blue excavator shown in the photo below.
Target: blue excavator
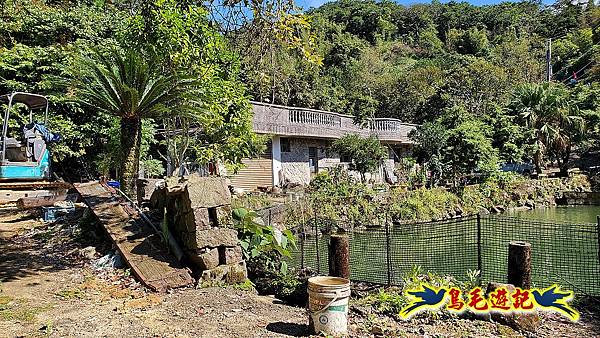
{"x": 25, "y": 169}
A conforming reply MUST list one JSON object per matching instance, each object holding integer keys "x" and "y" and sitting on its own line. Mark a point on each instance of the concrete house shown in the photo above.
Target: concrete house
{"x": 300, "y": 144}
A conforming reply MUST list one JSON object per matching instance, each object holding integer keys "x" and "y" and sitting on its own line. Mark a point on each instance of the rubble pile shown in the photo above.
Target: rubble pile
{"x": 198, "y": 214}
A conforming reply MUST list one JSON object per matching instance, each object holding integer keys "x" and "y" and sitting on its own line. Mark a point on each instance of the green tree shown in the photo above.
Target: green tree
{"x": 471, "y": 41}
{"x": 131, "y": 88}
{"x": 470, "y": 150}
{"x": 366, "y": 153}
{"x": 429, "y": 139}
{"x": 180, "y": 36}
{"x": 553, "y": 118}
{"x": 38, "y": 41}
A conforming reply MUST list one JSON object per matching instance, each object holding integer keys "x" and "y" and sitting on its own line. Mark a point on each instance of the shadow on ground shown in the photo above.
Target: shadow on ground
{"x": 53, "y": 247}
{"x": 290, "y": 329}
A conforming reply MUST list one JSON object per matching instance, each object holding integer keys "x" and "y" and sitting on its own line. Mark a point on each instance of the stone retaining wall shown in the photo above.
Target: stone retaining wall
{"x": 198, "y": 213}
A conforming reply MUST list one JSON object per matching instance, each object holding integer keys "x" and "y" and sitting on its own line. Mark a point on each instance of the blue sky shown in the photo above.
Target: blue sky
{"x": 316, "y": 3}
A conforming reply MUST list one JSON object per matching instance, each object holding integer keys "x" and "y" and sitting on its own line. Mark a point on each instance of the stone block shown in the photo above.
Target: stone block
{"x": 202, "y": 218}
{"x": 230, "y": 255}
{"x": 188, "y": 240}
{"x": 158, "y": 199}
{"x": 207, "y": 192}
{"x": 228, "y": 274}
{"x": 205, "y": 259}
{"x": 216, "y": 237}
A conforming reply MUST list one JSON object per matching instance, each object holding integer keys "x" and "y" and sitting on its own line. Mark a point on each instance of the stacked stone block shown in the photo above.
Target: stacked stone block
{"x": 198, "y": 213}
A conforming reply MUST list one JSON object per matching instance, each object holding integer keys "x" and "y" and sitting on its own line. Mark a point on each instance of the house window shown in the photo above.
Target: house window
{"x": 285, "y": 145}
{"x": 313, "y": 160}
{"x": 344, "y": 158}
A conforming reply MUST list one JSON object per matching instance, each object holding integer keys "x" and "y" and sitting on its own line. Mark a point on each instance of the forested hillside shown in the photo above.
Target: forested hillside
{"x": 412, "y": 62}
{"x": 475, "y": 76}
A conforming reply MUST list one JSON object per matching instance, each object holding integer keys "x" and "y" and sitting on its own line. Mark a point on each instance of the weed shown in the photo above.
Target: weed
{"x": 71, "y": 294}
{"x": 387, "y": 302}
{"x": 251, "y": 202}
{"x": 246, "y": 285}
{"x": 5, "y": 300}
{"x": 20, "y": 312}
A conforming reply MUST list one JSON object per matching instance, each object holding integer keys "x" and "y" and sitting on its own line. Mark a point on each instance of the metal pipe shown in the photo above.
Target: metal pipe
{"x": 170, "y": 241}
{"x": 5, "y": 127}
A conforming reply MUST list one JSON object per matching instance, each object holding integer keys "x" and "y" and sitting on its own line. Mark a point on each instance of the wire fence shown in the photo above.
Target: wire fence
{"x": 563, "y": 253}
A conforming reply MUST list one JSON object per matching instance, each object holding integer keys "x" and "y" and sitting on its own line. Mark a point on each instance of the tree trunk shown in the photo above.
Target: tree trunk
{"x": 564, "y": 163}
{"x": 131, "y": 139}
{"x": 537, "y": 160}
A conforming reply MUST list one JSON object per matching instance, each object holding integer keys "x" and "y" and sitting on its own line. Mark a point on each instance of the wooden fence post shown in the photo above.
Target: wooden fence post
{"x": 339, "y": 256}
{"x": 519, "y": 264}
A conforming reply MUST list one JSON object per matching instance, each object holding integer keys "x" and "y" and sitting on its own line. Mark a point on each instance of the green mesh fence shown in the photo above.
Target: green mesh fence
{"x": 563, "y": 253}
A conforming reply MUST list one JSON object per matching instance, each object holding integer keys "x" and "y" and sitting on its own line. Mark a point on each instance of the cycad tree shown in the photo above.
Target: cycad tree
{"x": 132, "y": 88}
{"x": 552, "y": 116}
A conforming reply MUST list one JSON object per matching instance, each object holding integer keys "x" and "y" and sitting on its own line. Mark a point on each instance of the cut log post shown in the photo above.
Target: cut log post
{"x": 519, "y": 264}
{"x": 44, "y": 201}
{"x": 339, "y": 256}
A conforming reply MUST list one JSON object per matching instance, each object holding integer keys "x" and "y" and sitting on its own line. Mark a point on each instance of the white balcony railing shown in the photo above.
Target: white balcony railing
{"x": 301, "y": 122}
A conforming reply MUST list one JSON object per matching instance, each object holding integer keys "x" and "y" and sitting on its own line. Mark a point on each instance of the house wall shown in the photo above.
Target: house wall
{"x": 295, "y": 165}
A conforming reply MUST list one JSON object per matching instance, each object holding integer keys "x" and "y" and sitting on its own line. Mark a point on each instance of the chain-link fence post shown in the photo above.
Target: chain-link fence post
{"x": 302, "y": 237}
{"x": 598, "y": 233}
{"x": 317, "y": 241}
{"x": 479, "y": 265}
{"x": 388, "y": 249}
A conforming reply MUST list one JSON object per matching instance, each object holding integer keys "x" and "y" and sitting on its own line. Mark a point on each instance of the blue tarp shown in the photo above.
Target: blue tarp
{"x": 46, "y": 134}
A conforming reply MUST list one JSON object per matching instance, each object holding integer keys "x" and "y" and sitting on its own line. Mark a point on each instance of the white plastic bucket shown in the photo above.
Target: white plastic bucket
{"x": 328, "y": 305}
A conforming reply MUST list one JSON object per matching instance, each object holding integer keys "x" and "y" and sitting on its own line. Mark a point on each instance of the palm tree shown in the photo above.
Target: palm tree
{"x": 128, "y": 86}
{"x": 548, "y": 111}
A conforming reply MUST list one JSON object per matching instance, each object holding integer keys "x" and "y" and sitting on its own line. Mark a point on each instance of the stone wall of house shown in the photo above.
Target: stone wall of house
{"x": 294, "y": 164}
{"x": 295, "y": 168}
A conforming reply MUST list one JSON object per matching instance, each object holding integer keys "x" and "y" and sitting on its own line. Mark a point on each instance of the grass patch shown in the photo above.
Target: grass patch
{"x": 4, "y": 300}
{"x": 246, "y": 285}
{"x": 71, "y": 294}
{"x": 20, "y": 312}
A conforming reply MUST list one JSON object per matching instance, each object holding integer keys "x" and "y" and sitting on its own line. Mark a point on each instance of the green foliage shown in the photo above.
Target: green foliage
{"x": 366, "y": 153}
{"x": 336, "y": 196}
{"x": 553, "y": 119}
{"x": 42, "y": 43}
{"x": 38, "y": 42}
{"x": 472, "y": 41}
{"x": 391, "y": 301}
{"x": 131, "y": 88}
{"x": 422, "y": 204}
{"x": 184, "y": 40}
{"x": 470, "y": 149}
{"x": 251, "y": 201}
{"x": 418, "y": 62}
{"x": 108, "y": 160}
{"x": 263, "y": 242}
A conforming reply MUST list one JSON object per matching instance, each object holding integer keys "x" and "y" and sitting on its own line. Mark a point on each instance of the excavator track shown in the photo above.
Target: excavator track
{"x": 11, "y": 192}
{"x": 35, "y": 185}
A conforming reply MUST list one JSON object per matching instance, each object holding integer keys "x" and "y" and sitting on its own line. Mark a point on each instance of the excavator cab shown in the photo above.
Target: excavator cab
{"x": 27, "y": 159}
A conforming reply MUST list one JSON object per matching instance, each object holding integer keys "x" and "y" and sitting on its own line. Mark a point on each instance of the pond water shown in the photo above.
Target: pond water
{"x": 564, "y": 240}
{"x": 567, "y": 213}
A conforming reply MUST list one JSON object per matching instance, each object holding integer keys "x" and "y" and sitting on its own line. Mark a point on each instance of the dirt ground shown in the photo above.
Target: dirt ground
{"x": 50, "y": 288}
